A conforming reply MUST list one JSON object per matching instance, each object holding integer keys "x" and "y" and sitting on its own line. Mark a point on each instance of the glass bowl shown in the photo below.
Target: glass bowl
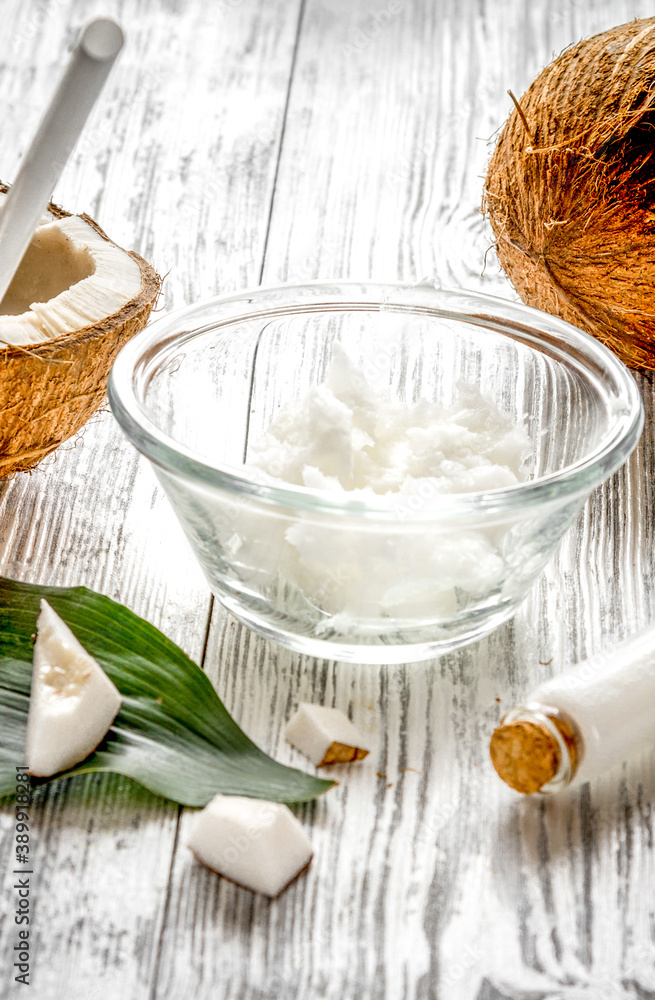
{"x": 383, "y": 578}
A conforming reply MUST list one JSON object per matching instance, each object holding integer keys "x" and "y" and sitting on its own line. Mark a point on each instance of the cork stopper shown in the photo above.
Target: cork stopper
{"x": 534, "y": 751}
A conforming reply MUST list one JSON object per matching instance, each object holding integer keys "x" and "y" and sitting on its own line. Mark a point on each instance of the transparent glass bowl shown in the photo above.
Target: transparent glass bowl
{"x": 396, "y": 578}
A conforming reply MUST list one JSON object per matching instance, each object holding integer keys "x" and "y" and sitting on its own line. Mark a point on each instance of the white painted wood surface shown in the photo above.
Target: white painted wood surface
{"x": 242, "y": 141}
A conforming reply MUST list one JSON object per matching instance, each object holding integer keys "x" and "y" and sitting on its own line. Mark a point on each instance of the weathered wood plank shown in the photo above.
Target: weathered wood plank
{"x": 178, "y": 162}
{"x": 431, "y": 879}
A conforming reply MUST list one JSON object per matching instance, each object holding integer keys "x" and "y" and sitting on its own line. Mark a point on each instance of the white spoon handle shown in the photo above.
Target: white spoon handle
{"x": 91, "y": 60}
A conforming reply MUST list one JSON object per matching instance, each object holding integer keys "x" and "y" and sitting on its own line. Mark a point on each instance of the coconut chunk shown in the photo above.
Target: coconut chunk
{"x": 19, "y": 330}
{"x": 70, "y": 278}
{"x": 72, "y": 704}
{"x": 259, "y": 845}
{"x": 325, "y": 735}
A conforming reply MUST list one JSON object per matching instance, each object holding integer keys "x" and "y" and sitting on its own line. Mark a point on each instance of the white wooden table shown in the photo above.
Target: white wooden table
{"x": 247, "y": 141}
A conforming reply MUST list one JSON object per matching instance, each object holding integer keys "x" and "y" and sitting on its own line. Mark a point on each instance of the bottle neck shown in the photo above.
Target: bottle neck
{"x": 536, "y": 748}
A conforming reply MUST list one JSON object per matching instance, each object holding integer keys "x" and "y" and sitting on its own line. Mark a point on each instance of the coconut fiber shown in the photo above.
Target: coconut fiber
{"x": 570, "y": 190}
{"x": 48, "y": 391}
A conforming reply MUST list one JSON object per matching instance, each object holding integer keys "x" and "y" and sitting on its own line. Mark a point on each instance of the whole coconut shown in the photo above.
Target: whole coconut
{"x": 570, "y": 190}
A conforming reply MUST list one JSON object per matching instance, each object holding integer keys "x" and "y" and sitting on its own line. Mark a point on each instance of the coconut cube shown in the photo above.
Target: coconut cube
{"x": 72, "y": 703}
{"x": 325, "y": 735}
{"x": 259, "y": 845}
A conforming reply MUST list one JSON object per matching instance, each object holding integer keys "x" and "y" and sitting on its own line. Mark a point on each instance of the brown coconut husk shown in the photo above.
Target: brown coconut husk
{"x": 570, "y": 190}
{"x": 48, "y": 391}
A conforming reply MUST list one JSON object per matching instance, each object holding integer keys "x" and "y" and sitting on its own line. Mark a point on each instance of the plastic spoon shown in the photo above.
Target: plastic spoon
{"x": 91, "y": 60}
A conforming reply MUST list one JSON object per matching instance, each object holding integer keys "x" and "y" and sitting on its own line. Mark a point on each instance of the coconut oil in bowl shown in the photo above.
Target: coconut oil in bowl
{"x": 489, "y": 421}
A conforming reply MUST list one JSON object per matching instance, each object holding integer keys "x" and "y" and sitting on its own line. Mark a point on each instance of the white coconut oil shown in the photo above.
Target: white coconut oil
{"x": 345, "y": 437}
{"x": 352, "y": 441}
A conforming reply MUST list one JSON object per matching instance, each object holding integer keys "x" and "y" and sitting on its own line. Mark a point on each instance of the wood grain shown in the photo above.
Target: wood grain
{"x": 441, "y": 883}
{"x": 431, "y": 879}
{"x": 182, "y": 169}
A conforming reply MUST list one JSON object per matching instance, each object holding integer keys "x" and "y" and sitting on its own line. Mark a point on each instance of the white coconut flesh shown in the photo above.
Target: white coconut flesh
{"x": 259, "y": 845}
{"x": 72, "y": 703}
{"x": 69, "y": 278}
{"x": 324, "y": 735}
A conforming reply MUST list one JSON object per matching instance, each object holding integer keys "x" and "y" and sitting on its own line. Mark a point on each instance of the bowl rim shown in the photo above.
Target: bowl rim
{"x": 514, "y": 319}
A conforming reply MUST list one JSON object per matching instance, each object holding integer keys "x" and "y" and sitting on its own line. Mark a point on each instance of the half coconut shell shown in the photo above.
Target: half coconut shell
{"x": 48, "y": 391}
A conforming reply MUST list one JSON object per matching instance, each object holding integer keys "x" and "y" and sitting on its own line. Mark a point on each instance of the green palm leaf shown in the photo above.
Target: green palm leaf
{"x": 172, "y": 734}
